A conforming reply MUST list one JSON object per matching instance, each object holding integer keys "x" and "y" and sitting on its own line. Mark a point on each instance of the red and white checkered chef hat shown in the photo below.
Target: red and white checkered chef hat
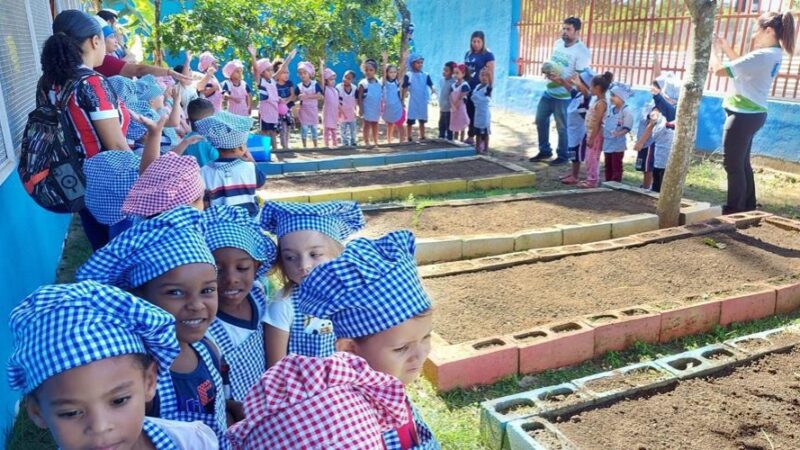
{"x": 168, "y": 182}
{"x": 320, "y": 403}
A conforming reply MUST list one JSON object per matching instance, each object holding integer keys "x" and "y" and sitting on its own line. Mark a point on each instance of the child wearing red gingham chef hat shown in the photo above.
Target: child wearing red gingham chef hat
{"x": 170, "y": 181}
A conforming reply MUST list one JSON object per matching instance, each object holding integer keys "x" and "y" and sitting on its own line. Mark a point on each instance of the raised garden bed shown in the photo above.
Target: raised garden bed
{"x": 406, "y": 147}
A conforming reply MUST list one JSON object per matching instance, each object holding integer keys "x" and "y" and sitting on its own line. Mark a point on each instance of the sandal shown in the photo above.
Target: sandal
{"x": 586, "y": 184}
{"x": 569, "y": 179}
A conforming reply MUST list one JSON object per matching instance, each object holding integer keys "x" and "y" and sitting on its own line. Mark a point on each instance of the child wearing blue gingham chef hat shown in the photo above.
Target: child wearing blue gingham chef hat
{"x": 243, "y": 253}
{"x": 372, "y": 289}
{"x": 224, "y": 130}
{"x": 109, "y": 177}
{"x": 126, "y": 91}
{"x": 68, "y": 337}
{"x": 308, "y": 235}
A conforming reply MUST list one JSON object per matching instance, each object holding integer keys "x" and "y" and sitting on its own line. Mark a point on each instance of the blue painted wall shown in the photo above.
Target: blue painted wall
{"x": 30, "y": 249}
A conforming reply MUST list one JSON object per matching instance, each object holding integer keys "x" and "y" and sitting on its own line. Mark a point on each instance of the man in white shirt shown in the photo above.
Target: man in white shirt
{"x": 570, "y": 56}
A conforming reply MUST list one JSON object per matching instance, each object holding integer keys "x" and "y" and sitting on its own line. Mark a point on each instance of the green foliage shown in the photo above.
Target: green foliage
{"x": 138, "y": 17}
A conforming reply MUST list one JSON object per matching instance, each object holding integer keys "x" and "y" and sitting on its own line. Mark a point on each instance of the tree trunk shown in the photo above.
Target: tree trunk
{"x": 669, "y": 203}
{"x": 158, "y": 55}
{"x": 406, "y": 16}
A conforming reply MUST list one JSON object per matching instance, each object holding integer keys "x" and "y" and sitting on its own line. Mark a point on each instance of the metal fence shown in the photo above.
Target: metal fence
{"x": 627, "y": 36}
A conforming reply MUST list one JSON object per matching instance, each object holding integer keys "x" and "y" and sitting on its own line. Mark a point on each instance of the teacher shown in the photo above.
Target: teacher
{"x": 746, "y": 107}
{"x": 476, "y": 59}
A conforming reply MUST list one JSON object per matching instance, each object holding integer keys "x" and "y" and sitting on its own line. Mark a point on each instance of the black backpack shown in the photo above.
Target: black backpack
{"x": 51, "y": 162}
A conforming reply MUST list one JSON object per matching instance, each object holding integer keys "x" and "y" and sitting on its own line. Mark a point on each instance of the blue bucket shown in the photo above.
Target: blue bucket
{"x": 260, "y": 147}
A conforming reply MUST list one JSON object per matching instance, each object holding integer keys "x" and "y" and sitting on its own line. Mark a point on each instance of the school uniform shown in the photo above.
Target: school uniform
{"x": 481, "y": 97}
{"x": 663, "y": 135}
{"x": 308, "y": 335}
{"x": 616, "y": 120}
{"x": 371, "y": 97}
{"x": 445, "y": 87}
{"x": 347, "y": 113}
{"x": 644, "y": 155}
{"x": 419, "y": 85}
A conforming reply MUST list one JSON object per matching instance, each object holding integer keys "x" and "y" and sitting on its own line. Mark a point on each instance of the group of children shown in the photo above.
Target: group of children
{"x": 595, "y": 127}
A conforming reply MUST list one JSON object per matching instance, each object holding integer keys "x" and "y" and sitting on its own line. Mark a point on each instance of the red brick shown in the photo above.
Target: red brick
{"x": 464, "y": 365}
{"x": 620, "y": 333}
{"x": 555, "y": 349}
{"x": 689, "y": 319}
{"x": 788, "y": 298}
{"x": 746, "y": 307}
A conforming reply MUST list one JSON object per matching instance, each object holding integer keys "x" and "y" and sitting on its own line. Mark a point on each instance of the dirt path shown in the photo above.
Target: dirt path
{"x": 477, "y": 305}
{"x": 752, "y": 407}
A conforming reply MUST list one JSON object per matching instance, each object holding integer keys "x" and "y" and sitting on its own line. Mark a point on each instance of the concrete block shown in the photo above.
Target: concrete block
{"x": 335, "y": 163}
{"x": 788, "y": 298}
{"x": 583, "y": 233}
{"x": 305, "y": 166}
{"x": 400, "y": 158}
{"x": 699, "y": 362}
{"x": 478, "y": 246}
{"x": 746, "y": 307}
{"x": 371, "y": 194}
{"x": 557, "y": 345}
{"x": 631, "y": 380}
{"x": 402, "y": 191}
{"x": 497, "y": 413}
{"x": 270, "y": 168}
{"x": 699, "y": 213}
{"x": 448, "y": 186}
{"x": 559, "y": 399}
{"x": 369, "y": 161}
{"x": 663, "y": 235}
{"x": 472, "y": 363}
{"x": 436, "y": 154}
{"x": 746, "y": 219}
{"x": 484, "y": 184}
{"x": 638, "y": 223}
{"x": 687, "y": 320}
{"x": 758, "y": 344}
{"x": 330, "y": 196}
{"x": 284, "y": 197}
{"x": 438, "y": 250}
{"x": 619, "y": 329}
{"x": 519, "y": 435}
{"x": 462, "y": 152}
{"x": 521, "y": 180}
{"x": 783, "y": 222}
{"x": 539, "y": 238}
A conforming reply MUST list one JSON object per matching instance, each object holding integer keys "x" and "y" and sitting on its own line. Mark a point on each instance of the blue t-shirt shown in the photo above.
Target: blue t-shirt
{"x": 285, "y": 91}
{"x": 195, "y": 391}
{"x": 202, "y": 151}
{"x": 475, "y": 62}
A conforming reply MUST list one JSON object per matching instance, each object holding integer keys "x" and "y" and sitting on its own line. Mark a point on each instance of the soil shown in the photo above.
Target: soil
{"x": 326, "y": 153}
{"x": 548, "y": 439}
{"x": 512, "y": 216}
{"x": 719, "y": 355}
{"x": 631, "y": 379}
{"x": 436, "y": 171}
{"x": 515, "y": 299}
{"x": 519, "y": 409}
{"x": 753, "y": 344}
{"x": 749, "y": 407}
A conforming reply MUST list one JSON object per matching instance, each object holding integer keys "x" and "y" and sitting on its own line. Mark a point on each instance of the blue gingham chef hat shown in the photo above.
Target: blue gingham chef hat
{"x": 149, "y": 249}
{"x": 586, "y": 77}
{"x": 109, "y": 177}
{"x": 136, "y": 129}
{"x": 225, "y": 130}
{"x": 414, "y": 58}
{"x": 621, "y": 90}
{"x": 232, "y": 226}
{"x": 147, "y": 88}
{"x": 124, "y": 87}
{"x": 64, "y": 326}
{"x": 372, "y": 287}
{"x": 338, "y": 220}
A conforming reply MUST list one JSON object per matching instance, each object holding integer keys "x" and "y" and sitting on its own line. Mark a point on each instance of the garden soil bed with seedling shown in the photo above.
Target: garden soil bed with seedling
{"x": 508, "y": 216}
{"x": 488, "y": 303}
{"x": 326, "y": 153}
{"x": 753, "y": 406}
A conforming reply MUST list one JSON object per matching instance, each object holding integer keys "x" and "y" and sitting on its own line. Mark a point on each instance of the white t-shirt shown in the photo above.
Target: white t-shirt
{"x": 280, "y": 313}
{"x": 752, "y": 76}
{"x": 570, "y": 60}
{"x": 188, "y": 435}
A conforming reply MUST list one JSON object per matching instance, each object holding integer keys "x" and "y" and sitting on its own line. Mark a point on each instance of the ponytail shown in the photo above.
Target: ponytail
{"x": 603, "y": 81}
{"x": 62, "y": 54}
{"x": 783, "y": 25}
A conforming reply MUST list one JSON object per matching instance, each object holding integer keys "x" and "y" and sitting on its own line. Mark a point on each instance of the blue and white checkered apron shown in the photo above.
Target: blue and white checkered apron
{"x": 247, "y": 362}
{"x": 168, "y": 401}
{"x": 308, "y": 343}
{"x": 426, "y": 439}
{"x": 158, "y": 437}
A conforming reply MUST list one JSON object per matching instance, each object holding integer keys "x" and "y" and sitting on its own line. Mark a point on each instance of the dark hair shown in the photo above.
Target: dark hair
{"x": 276, "y": 65}
{"x": 348, "y": 72}
{"x": 178, "y": 68}
{"x": 482, "y": 36}
{"x": 783, "y": 24}
{"x": 62, "y": 54}
{"x": 574, "y": 21}
{"x": 371, "y": 62}
{"x": 197, "y": 109}
{"x": 145, "y": 360}
{"x": 107, "y": 15}
{"x": 603, "y": 81}
{"x": 451, "y": 65}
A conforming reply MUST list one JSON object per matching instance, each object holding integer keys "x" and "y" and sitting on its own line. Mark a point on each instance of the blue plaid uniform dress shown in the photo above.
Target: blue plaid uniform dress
{"x": 248, "y": 361}
{"x": 158, "y": 437}
{"x": 426, "y": 439}
{"x": 168, "y": 401}
{"x": 308, "y": 344}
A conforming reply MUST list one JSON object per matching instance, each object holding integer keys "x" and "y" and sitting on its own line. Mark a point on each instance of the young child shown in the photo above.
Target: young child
{"x": 310, "y": 93}
{"x": 445, "y": 88}
{"x": 373, "y": 295}
{"x": 459, "y": 119}
{"x": 165, "y": 260}
{"x": 125, "y": 89}
{"x": 661, "y": 133}
{"x": 576, "y": 123}
{"x": 268, "y": 98}
{"x": 644, "y": 147}
{"x": 420, "y": 87}
{"x": 168, "y": 182}
{"x": 230, "y": 180}
{"x": 286, "y": 93}
{"x": 392, "y": 102}
{"x": 330, "y": 107}
{"x": 202, "y": 151}
{"x": 322, "y": 400}
{"x": 308, "y": 235}
{"x": 594, "y": 129}
{"x": 86, "y": 357}
{"x": 148, "y": 90}
{"x": 481, "y": 97}
{"x": 347, "y": 108}
{"x": 618, "y": 123}
{"x": 208, "y": 86}
{"x": 235, "y": 89}
{"x": 243, "y": 254}
{"x": 369, "y": 96}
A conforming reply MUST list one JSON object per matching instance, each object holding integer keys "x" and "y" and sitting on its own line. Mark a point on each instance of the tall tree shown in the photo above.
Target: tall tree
{"x": 669, "y": 202}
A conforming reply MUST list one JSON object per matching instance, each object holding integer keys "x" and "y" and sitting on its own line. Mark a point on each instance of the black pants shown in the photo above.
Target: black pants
{"x": 737, "y": 140}
{"x": 658, "y": 177}
{"x": 471, "y": 114}
{"x": 444, "y": 126}
{"x": 96, "y": 232}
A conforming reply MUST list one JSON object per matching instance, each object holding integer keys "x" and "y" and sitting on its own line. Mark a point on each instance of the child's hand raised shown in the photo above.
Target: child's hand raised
{"x": 252, "y": 50}
{"x": 189, "y": 54}
{"x": 153, "y": 127}
{"x": 184, "y": 144}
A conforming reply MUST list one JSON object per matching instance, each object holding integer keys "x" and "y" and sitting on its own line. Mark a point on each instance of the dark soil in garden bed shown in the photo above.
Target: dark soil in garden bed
{"x": 511, "y": 216}
{"x": 326, "y": 153}
{"x": 476, "y": 305}
{"x": 749, "y": 407}
{"x": 476, "y": 168}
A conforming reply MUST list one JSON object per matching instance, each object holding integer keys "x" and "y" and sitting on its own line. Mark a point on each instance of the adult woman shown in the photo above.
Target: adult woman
{"x": 746, "y": 108}
{"x": 97, "y": 123}
{"x": 476, "y": 59}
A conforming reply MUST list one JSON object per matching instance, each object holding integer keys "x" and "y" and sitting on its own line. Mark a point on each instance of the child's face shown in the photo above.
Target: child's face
{"x": 369, "y": 71}
{"x": 617, "y": 101}
{"x": 111, "y": 43}
{"x": 458, "y": 74}
{"x": 267, "y": 73}
{"x": 97, "y": 405}
{"x": 348, "y": 79}
{"x": 417, "y": 65}
{"x": 597, "y": 91}
{"x": 392, "y": 72}
{"x": 447, "y": 72}
{"x": 236, "y": 272}
{"x": 189, "y": 293}
{"x": 399, "y": 351}
{"x": 303, "y": 73}
{"x": 302, "y": 251}
{"x": 283, "y": 76}
{"x": 330, "y": 81}
{"x": 236, "y": 75}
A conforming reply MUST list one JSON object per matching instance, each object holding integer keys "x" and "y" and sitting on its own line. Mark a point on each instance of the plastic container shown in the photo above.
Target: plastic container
{"x": 260, "y": 147}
